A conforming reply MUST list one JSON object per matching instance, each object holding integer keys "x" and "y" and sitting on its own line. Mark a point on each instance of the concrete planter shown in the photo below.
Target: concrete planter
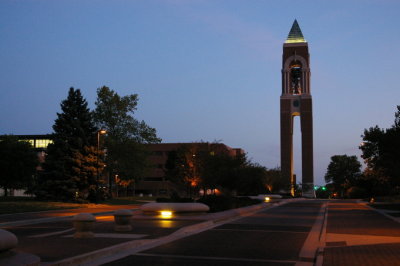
{"x": 122, "y": 220}
{"x": 174, "y": 207}
{"x": 84, "y": 224}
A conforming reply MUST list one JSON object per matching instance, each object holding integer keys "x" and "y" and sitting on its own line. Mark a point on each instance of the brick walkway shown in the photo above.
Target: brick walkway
{"x": 357, "y": 235}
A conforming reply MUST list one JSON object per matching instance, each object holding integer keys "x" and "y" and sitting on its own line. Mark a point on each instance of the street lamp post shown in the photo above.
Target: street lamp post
{"x": 100, "y": 132}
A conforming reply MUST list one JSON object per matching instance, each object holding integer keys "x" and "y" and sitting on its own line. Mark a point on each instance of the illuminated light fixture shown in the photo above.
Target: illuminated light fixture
{"x": 267, "y": 199}
{"x": 166, "y": 214}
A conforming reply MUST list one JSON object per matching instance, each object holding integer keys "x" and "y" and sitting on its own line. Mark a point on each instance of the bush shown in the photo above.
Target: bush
{"x": 16, "y": 198}
{"x": 356, "y": 193}
{"x": 179, "y": 200}
{"x": 222, "y": 203}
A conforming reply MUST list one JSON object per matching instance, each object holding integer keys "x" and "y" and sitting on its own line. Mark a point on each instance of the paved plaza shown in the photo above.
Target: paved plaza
{"x": 289, "y": 232}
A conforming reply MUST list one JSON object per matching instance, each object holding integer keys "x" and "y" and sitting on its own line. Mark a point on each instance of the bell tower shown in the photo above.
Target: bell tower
{"x": 296, "y": 100}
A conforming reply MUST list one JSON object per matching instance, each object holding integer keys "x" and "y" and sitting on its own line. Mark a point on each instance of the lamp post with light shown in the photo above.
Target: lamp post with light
{"x": 99, "y": 132}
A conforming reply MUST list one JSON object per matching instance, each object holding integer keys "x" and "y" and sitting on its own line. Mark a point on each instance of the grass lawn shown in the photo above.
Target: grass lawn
{"x": 23, "y": 204}
{"x": 33, "y": 206}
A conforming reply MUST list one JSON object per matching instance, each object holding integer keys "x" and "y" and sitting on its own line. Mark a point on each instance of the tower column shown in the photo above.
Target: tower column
{"x": 307, "y": 147}
{"x": 286, "y": 141}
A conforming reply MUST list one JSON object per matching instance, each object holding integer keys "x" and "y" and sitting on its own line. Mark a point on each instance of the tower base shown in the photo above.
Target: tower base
{"x": 308, "y": 190}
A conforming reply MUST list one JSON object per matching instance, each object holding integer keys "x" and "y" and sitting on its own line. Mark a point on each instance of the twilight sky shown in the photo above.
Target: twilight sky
{"x": 204, "y": 69}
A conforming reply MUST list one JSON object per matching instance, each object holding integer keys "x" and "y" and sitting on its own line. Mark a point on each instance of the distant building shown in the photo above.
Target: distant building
{"x": 155, "y": 182}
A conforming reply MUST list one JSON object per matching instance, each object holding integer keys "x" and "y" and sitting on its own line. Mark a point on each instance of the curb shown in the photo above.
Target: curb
{"x": 122, "y": 250}
{"x": 311, "y": 248}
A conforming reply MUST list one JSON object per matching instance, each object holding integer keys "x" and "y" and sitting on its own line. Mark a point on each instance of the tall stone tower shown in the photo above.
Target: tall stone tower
{"x": 296, "y": 101}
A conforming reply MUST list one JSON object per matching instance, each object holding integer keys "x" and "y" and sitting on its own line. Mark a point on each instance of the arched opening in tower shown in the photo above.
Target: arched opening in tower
{"x": 297, "y": 156}
{"x": 295, "y": 78}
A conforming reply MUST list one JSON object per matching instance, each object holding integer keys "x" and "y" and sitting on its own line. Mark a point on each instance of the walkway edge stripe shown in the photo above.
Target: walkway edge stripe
{"x": 312, "y": 242}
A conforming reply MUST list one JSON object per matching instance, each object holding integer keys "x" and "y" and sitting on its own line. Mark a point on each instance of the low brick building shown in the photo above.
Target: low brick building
{"x": 155, "y": 183}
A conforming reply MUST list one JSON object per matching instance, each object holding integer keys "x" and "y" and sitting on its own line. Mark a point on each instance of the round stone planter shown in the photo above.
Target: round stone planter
{"x": 122, "y": 220}
{"x": 10, "y": 256}
{"x": 7, "y": 240}
{"x": 84, "y": 224}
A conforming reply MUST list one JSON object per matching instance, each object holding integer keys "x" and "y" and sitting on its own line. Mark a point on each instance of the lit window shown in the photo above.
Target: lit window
{"x": 43, "y": 143}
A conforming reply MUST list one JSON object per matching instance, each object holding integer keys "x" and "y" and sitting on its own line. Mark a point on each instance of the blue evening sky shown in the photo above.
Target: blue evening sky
{"x": 204, "y": 69}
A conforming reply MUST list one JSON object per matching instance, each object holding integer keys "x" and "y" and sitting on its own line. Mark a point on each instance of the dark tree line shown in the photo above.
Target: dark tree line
{"x": 381, "y": 153}
{"x": 204, "y": 167}
{"x": 18, "y": 162}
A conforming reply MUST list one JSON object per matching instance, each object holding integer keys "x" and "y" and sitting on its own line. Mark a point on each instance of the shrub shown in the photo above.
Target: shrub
{"x": 181, "y": 200}
{"x": 356, "y": 193}
{"x": 222, "y": 203}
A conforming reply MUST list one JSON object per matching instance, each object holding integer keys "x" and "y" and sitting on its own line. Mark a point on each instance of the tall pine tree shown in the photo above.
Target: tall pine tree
{"x": 72, "y": 161}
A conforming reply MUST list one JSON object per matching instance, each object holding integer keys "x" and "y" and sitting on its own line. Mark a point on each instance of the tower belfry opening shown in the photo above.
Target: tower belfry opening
{"x": 296, "y": 100}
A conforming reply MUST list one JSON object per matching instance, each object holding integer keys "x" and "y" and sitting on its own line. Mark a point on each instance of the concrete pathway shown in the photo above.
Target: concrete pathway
{"x": 49, "y": 234}
{"x": 284, "y": 235}
{"x": 291, "y": 232}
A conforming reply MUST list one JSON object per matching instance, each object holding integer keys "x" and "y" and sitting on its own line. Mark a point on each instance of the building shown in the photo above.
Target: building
{"x": 155, "y": 183}
{"x": 296, "y": 100}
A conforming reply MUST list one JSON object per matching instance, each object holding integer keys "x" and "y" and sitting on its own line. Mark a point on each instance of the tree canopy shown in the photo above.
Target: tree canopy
{"x": 343, "y": 171}
{"x": 18, "y": 162}
{"x": 126, "y": 136}
{"x": 381, "y": 152}
{"x": 115, "y": 114}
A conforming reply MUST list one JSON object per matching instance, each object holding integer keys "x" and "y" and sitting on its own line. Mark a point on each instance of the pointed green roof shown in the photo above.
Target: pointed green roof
{"x": 295, "y": 34}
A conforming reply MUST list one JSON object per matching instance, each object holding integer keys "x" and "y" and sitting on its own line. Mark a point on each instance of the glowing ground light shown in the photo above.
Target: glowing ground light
{"x": 166, "y": 214}
{"x": 267, "y": 199}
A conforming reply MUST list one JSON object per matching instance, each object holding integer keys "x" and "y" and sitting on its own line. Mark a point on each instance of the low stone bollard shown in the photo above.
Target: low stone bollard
{"x": 123, "y": 220}
{"x": 83, "y": 224}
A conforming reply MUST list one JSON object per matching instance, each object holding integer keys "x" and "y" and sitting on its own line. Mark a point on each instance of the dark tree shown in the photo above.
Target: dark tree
{"x": 18, "y": 162}
{"x": 252, "y": 180}
{"x": 126, "y": 136}
{"x": 183, "y": 167}
{"x": 381, "y": 152}
{"x": 274, "y": 181}
{"x": 71, "y": 163}
{"x": 343, "y": 171}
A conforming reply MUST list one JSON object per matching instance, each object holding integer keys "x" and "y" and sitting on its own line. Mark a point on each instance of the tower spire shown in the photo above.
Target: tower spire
{"x": 295, "y": 34}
